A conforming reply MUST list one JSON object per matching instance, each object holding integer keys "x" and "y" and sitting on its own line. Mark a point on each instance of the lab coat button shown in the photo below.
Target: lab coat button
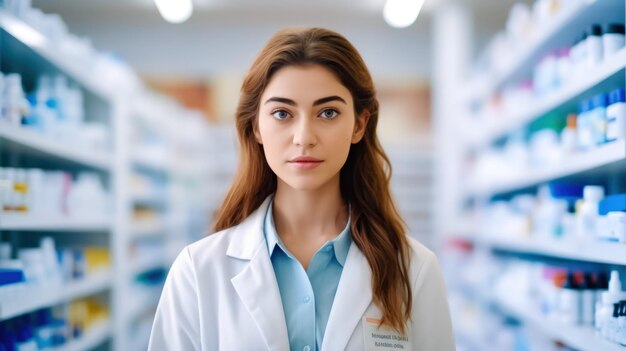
{"x": 306, "y": 348}
{"x": 306, "y": 299}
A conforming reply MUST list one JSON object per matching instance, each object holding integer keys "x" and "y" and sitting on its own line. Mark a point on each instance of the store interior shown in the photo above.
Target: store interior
{"x": 505, "y": 124}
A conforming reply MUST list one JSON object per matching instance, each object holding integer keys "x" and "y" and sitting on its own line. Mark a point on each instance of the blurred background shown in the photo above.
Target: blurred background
{"x": 504, "y": 120}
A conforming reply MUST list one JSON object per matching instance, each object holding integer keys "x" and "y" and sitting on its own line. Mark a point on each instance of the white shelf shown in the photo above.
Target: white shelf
{"x": 147, "y": 228}
{"x": 96, "y": 335}
{"x": 150, "y": 199}
{"x": 20, "y": 222}
{"x": 143, "y": 302}
{"x": 51, "y": 52}
{"x": 569, "y": 23}
{"x": 18, "y": 299}
{"x": 151, "y": 164}
{"x": 141, "y": 265}
{"x": 576, "y": 163}
{"x": 576, "y": 87}
{"x": 578, "y": 337}
{"x": 571, "y": 249}
{"x": 31, "y": 141}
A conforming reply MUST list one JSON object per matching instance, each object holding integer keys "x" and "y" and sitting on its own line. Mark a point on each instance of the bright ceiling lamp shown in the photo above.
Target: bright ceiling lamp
{"x": 401, "y": 13}
{"x": 175, "y": 11}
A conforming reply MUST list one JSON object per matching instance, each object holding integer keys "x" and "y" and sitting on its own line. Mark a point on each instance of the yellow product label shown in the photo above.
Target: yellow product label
{"x": 97, "y": 258}
{"x": 21, "y": 188}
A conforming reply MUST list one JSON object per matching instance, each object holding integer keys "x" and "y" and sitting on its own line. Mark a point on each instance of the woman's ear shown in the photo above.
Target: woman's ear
{"x": 359, "y": 126}
{"x": 255, "y": 130}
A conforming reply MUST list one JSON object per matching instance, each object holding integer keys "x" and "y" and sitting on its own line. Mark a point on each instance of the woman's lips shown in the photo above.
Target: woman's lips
{"x": 305, "y": 162}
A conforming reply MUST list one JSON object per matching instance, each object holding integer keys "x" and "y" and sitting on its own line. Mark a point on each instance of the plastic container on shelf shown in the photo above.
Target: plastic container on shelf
{"x": 612, "y": 39}
{"x": 587, "y": 216}
{"x": 597, "y": 119}
{"x": 569, "y": 142}
{"x": 583, "y": 125}
{"x": 616, "y": 115}
{"x": 15, "y": 103}
{"x": 594, "y": 45}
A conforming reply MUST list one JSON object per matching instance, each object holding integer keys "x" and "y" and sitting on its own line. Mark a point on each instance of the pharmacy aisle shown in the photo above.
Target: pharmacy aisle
{"x": 535, "y": 232}
{"x": 98, "y": 190}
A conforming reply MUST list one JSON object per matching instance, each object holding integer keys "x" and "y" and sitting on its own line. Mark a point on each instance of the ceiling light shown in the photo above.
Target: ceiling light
{"x": 401, "y": 13}
{"x": 174, "y": 11}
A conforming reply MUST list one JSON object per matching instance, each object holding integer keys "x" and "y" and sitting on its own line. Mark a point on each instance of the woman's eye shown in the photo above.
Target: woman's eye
{"x": 329, "y": 114}
{"x": 280, "y": 114}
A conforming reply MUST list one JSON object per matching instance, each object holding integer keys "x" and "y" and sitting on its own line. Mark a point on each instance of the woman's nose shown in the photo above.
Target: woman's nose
{"x": 304, "y": 133}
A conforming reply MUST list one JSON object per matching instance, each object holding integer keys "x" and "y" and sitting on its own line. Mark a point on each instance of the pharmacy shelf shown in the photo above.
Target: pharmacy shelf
{"x": 22, "y": 140}
{"x": 603, "y": 155}
{"x": 18, "y": 299}
{"x": 150, "y": 199}
{"x": 144, "y": 302}
{"x": 95, "y": 337}
{"x": 560, "y": 30}
{"x": 147, "y": 228}
{"x": 613, "y": 67}
{"x": 151, "y": 164}
{"x": 571, "y": 249}
{"x": 144, "y": 264}
{"x": 18, "y": 222}
{"x": 578, "y": 337}
{"x": 51, "y": 52}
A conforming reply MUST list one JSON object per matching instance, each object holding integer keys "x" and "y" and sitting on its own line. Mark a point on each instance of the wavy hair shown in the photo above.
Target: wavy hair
{"x": 377, "y": 228}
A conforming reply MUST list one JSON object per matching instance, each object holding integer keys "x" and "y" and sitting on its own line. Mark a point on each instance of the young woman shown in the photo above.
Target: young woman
{"x": 310, "y": 252}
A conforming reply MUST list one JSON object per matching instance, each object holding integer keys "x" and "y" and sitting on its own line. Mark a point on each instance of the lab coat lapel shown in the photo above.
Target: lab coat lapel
{"x": 256, "y": 284}
{"x": 354, "y": 295}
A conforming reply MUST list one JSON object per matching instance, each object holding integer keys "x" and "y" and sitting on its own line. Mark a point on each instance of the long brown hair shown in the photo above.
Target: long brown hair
{"x": 377, "y": 228}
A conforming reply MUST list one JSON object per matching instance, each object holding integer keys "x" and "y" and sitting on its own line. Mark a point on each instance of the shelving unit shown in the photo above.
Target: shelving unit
{"x": 32, "y": 54}
{"x": 485, "y": 123}
{"x": 580, "y": 338}
{"x": 50, "y": 52}
{"x": 181, "y": 201}
{"x": 31, "y": 142}
{"x": 95, "y": 337}
{"x": 411, "y": 187}
{"x": 561, "y": 29}
{"x": 612, "y": 253}
{"x": 145, "y": 303}
{"x": 170, "y": 226}
{"x": 54, "y": 224}
{"x": 595, "y": 80}
{"x": 19, "y": 299}
{"x": 584, "y": 162}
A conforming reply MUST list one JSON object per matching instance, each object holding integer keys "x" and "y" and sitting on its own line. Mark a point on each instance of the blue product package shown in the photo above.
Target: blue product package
{"x": 616, "y": 96}
{"x": 566, "y": 190}
{"x": 612, "y": 203}
{"x": 10, "y": 276}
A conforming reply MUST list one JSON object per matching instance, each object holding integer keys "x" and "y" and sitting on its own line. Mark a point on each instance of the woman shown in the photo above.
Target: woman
{"x": 310, "y": 252}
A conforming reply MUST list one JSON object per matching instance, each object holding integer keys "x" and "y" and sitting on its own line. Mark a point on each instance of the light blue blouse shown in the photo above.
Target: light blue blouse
{"x": 307, "y": 296}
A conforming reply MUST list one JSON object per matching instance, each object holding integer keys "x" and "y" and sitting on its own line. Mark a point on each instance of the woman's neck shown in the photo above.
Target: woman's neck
{"x": 313, "y": 216}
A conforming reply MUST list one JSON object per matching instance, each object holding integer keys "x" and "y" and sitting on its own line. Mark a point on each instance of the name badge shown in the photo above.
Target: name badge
{"x": 383, "y": 338}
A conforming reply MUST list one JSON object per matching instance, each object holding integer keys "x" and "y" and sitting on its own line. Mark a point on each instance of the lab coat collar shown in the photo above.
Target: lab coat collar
{"x": 256, "y": 284}
{"x": 353, "y": 297}
{"x": 248, "y": 235}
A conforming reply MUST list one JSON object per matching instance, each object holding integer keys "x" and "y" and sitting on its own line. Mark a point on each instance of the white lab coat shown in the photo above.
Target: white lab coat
{"x": 221, "y": 294}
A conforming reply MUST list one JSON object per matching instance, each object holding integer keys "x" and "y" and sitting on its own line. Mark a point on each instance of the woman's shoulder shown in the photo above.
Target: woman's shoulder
{"x": 212, "y": 246}
{"x": 419, "y": 251}
{"x": 423, "y": 260}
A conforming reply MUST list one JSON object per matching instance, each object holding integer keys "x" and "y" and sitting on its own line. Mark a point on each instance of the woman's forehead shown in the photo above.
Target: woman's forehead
{"x": 305, "y": 83}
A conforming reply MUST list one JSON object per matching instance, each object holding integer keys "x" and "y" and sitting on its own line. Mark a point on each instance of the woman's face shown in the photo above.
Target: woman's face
{"x": 306, "y": 124}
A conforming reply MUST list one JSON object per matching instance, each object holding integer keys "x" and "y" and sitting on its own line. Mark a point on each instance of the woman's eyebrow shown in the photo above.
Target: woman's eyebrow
{"x": 329, "y": 99}
{"x": 315, "y": 103}
{"x": 281, "y": 99}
